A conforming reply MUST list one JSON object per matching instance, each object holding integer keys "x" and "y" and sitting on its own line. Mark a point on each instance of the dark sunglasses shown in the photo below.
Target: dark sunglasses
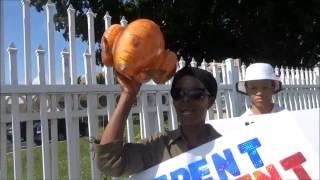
{"x": 194, "y": 94}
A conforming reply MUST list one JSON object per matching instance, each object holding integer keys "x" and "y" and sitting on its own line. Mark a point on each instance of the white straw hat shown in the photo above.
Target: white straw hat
{"x": 259, "y": 71}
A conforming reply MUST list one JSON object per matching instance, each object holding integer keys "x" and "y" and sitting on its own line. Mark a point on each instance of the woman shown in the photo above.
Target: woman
{"x": 193, "y": 91}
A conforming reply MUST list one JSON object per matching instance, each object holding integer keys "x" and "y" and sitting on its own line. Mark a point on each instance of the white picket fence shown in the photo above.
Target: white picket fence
{"x": 50, "y": 101}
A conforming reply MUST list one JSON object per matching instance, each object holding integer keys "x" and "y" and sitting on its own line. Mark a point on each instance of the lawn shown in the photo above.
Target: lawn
{"x": 62, "y": 158}
{"x": 62, "y": 162}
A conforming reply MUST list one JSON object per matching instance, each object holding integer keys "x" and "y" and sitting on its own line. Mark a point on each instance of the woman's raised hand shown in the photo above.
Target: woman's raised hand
{"x": 129, "y": 86}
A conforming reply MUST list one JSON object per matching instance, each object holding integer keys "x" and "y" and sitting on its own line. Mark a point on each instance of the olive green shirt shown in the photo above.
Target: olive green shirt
{"x": 120, "y": 159}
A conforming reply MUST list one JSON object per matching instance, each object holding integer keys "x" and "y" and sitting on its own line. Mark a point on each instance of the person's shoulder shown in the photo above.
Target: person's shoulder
{"x": 248, "y": 112}
{"x": 158, "y": 135}
{"x": 155, "y": 135}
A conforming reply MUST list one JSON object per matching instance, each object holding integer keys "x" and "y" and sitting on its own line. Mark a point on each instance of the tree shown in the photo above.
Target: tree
{"x": 279, "y": 32}
{"x": 99, "y": 78}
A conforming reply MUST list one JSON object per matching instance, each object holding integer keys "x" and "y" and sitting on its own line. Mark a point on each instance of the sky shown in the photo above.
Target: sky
{"x": 13, "y": 32}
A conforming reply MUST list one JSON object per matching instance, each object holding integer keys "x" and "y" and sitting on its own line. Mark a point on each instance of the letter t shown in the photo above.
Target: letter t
{"x": 250, "y": 147}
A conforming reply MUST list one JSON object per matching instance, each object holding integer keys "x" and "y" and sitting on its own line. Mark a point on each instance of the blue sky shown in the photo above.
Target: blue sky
{"x": 13, "y": 32}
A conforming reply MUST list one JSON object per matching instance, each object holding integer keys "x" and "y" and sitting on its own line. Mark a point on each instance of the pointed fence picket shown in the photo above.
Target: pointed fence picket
{"x": 50, "y": 102}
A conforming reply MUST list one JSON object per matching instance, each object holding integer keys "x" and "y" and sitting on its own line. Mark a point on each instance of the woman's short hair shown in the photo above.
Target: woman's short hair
{"x": 204, "y": 76}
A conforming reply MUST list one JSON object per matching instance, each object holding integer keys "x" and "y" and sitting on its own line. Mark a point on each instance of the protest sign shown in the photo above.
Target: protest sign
{"x": 276, "y": 146}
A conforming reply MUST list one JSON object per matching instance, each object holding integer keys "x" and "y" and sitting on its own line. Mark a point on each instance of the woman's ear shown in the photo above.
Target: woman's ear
{"x": 210, "y": 102}
{"x": 273, "y": 85}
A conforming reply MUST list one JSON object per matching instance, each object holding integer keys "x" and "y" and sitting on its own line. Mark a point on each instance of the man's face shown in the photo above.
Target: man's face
{"x": 260, "y": 91}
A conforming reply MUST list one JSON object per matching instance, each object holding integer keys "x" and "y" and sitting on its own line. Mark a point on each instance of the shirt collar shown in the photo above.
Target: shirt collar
{"x": 177, "y": 134}
{"x": 174, "y": 135}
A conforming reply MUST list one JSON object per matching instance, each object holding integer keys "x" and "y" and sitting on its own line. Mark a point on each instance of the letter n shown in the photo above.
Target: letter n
{"x": 225, "y": 164}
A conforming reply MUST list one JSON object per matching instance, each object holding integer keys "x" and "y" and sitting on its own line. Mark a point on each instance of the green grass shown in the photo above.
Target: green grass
{"x": 85, "y": 168}
{"x": 62, "y": 158}
{"x": 62, "y": 161}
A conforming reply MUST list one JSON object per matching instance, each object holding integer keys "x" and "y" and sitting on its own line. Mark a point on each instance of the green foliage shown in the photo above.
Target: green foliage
{"x": 99, "y": 78}
{"x": 279, "y": 32}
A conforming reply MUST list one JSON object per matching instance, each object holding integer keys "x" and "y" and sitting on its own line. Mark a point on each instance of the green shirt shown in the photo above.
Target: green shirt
{"x": 121, "y": 159}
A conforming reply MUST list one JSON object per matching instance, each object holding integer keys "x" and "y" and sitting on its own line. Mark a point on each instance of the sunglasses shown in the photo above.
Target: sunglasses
{"x": 194, "y": 94}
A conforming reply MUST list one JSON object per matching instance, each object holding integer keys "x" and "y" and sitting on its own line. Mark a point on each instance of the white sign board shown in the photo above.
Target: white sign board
{"x": 276, "y": 146}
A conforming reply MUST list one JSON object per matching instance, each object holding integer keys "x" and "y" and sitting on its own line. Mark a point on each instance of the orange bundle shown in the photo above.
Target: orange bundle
{"x": 138, "y": 51}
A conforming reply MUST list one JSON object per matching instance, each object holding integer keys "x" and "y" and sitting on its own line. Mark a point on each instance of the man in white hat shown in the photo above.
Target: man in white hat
{"x": 260, "y": 84}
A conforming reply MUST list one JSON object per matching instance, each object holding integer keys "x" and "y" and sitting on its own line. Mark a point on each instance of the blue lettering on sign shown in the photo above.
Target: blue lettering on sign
{"x": 199, "y": 169}
{"x": 196, "y": 171}
{"x": 180, "y": 173}
{"x": 250, "y": 148}
{"x": 227, "y": 164}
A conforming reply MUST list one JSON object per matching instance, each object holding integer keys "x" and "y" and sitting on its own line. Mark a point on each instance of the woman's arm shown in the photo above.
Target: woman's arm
{"x": 115, "y": 128}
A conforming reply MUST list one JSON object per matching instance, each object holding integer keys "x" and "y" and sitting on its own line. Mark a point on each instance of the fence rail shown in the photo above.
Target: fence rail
{"x": 51, "y": 102}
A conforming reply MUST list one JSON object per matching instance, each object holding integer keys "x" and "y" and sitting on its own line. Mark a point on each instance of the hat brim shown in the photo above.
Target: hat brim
{"x": 241, "y": 88}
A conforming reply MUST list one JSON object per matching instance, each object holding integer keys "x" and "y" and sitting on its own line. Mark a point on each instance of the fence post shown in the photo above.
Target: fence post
{"x": 159, "y": 112}
{"x": 130, "y": 129}
{"x": 108, "y": 71}
{"x": 226, "y": 93}
{"x": 317, "y": 82}
{"x": 303, "y": 92}
{"x": 2, "y": 64}
{"x": 307, "y": 83}
{"x": 145, "y": 121}
{"x": 181, "y": 63}
{"x": 279, "y": 94}
{"x": 283, "y": 92}
{"x": 317, "y": 73}
{"x": 73, "y": 73}
{"x": 15, "y": 112}
{"x": 72, "y": 45}
{"x": 204, "y": 66}
{"x": 3, "y": 139}
{"x": 173, "y": 123}
{"x": 73, "y": 165}
{"x": 91, "y": 111}
{"x": 149, "y": 116}
{"x": 193, "y": 62}
{"x": 52, "y": 81}
{"x": 299, "y": 90}
{"x": 91, "y": 39}
{"x": 293, "y": 90}
{"x": 123, "y": 21}
{"x": 233, "y": 78}
{"x": 288, "y": 99}
{"x": 28, "y": 80}
{"x": 107, "y": 20}
{"x": 26, "y": 39}
{"x": 108, "y": 74}
{"x": 312, "y": 82}
{"x": 3, "y": 132}
{"x": 218, "y": 101}
{"x": 46, "y": 174}
{"x": 276, "y": 97}
{"x": 152, "y": 113}
{"x": 247, "y": 101}
{"x": 316, "y": 102}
